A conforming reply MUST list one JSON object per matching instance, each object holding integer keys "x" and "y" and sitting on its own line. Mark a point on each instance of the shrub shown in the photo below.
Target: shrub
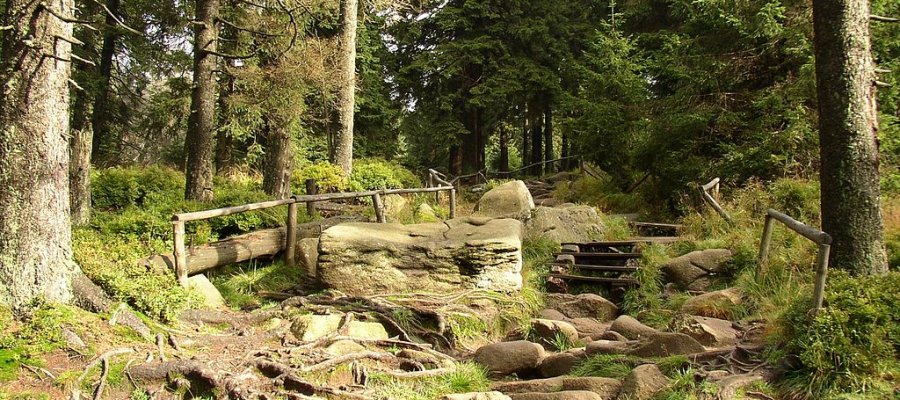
{"x": 117, "y": 188}
{"x": 847, "y": 346}
{"x": 328, "y": 177}
{"x": 373, "y": 174}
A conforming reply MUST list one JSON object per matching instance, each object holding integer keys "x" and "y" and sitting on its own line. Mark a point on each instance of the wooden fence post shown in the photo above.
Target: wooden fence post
{"x": 290, "y": 256}
{"x": 311, "y": 189}
{"x": 180, "y": 253}
{"x": 452, "y": 203}
{"x": 763, "y": 259}
{"x": 821, "y": 275}
{"x": 379, "y": 208}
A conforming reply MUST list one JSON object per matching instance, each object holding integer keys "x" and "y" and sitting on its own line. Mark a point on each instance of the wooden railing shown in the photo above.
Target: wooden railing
{"x": 820, "y": 238}
{"x": 713, "y": 199}
{"x": 179, "y": 220}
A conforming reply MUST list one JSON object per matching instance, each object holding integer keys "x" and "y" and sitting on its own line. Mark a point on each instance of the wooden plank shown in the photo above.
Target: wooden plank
{"x": 656, "y": 225}
{"x": 599, "y": 268}
{"x": 635, "y": 241}
{"x": 180, "y": 254}
{"x": 606, "y": 256}
{"x": 595, "y": 279}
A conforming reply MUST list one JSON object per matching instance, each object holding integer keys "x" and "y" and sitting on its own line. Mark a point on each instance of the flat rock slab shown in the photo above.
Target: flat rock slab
{"x": 459, "y": 254}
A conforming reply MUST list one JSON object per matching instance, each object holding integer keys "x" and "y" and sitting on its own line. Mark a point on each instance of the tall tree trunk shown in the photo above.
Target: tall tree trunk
{"x": 504, "y": 150}
{"x": 537, "y": 153}
{"x": 526, "y": 146}
{"x": 80, "y": 160}
{"x": 101, "y": 115}
{"x": 455, "y": 160}
{"x": 199, "y": 142}
{"x": 224, "y": 141}
{"x": 279, "y": 161}
{"x": 564, "y": 150}
{"x": 548, "y": 137}
{"x": 343, "y": 154}
{"x": 851, "y": 203}
{"x": 35, "y": 230}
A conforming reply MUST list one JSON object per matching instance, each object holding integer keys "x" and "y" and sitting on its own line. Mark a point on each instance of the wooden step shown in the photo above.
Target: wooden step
{"x": 629, "y": 242}
{"x": 598, "y": 268}
{"x": 601, "y": 256}
{"x": 596, "y": 279}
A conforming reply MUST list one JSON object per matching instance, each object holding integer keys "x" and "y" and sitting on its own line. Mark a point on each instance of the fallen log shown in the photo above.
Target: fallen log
{"x": 240, "y": 248}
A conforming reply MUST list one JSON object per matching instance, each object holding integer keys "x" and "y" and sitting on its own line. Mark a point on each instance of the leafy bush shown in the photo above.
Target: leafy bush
{"x": 328, "y": 177}
{"x": 117, "y": 188}
{"x": 372, "y": 174}
{"x": 847, "y": 346}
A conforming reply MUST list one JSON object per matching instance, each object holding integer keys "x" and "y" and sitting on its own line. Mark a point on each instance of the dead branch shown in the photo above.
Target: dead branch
{"x": 119, "y": 21}
{"x": 291, "y": 381}
{"x": 104, "y": 358}
{"x": 159, "y": 347}
{"x": 103, "y": 376}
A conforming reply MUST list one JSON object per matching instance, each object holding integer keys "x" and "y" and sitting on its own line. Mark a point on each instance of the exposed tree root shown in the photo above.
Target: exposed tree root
{"x": 92, "y": 298}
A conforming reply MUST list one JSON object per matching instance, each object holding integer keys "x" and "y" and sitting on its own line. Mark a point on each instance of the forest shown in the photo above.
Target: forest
{"x": 450, "y": 199}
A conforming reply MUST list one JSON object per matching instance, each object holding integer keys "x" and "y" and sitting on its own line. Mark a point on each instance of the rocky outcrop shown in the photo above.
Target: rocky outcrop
{"x": 561, "y": 363}
{"x": 585, "y": 305}
{"x": 463, "y": 253}
{"x": 696, "y": 270}
{"x": 643, "y": 382}
{"x": 565, "y": 224}
{"x": 509, "y": 200}
{"x": 505, "y": 358}
{"x": 308, "y": 255}
{"x": 394, "y": 206}
{"x": 211, "y": 297}
{"x": 311, "y": 327}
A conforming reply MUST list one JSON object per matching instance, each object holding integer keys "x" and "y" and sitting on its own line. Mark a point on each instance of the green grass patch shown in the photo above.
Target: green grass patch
{"x": 239, "y": 284}
{"x": 468, "y": 377}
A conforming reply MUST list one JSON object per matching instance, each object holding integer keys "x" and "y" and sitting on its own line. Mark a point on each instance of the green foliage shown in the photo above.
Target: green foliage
{"x": 849, "y": 345}
{"x": 643, "y": 301}
{"x": 118, "y": 188}
{"x": 328, "y": 177}
{"x": 618, "y": 366}
{"x": 373, "y": 174}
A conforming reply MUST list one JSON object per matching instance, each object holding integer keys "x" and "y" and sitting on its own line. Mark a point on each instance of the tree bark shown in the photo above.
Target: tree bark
{"x": 548, "y": 137}
{"x": 343, "y": 153}
{"x": 80, "y": 162}
{"x": 526, "y": 147}
{"x": 564, "y": 150}
{"x": 504, "y": 150}
{"x": 536, "y": 137}
{"x": 851, "y": 203}
{"x": 200, "y": 139}
{"x": 35, "y": 230}
{"x": 101, "y": 116}
{"x": 279, "y": 162}
{"x": 224, "y": 141}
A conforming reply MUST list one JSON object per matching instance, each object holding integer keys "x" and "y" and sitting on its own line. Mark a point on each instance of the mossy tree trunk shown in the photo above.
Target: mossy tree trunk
{"x": 35, "y": 230}
{"x": 343, "y": 152}
{"x": 537, "y": 153}
{"x": 851, "y": 203}
{"x": 199, "y": 143}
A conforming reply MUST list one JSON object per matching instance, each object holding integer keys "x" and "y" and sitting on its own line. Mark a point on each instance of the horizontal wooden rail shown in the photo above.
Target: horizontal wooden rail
{"x": 179, "y": 220}
{"x": 822, "y": 239}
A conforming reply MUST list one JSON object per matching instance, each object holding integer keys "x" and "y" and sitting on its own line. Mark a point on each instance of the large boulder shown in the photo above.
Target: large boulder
{"x": 463, "y": 253}
{"x": 718, "y": 304}
{"x": 311, "y": 327}
{"x": 509, "y": 200}
{"x": 696, "y": 270}
{"x": 568, "y": 224}
{"x": 505, "y": 358}
{"x": 643, "y": 383}
{"x": 631, "y": 328}
{"x": 664, "y": 344}
{"x": 394, "y": 206}
{"x": 711, "y": 332}
{"x": 549, "y": 332}
{"x": 565, "y": 395}
{"x": 210, "y": 296}
{"x": 561, "y": 363}
{"x": 585, "y": 305}
{"x": 308, "y": 254}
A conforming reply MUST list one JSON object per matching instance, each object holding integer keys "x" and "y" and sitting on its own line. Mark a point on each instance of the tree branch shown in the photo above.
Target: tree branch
{"x": 253, "y": 31}
{"x": 229, "y": 56}
{"x": 879, "y": 18}
{"x": 118, "y": 20}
